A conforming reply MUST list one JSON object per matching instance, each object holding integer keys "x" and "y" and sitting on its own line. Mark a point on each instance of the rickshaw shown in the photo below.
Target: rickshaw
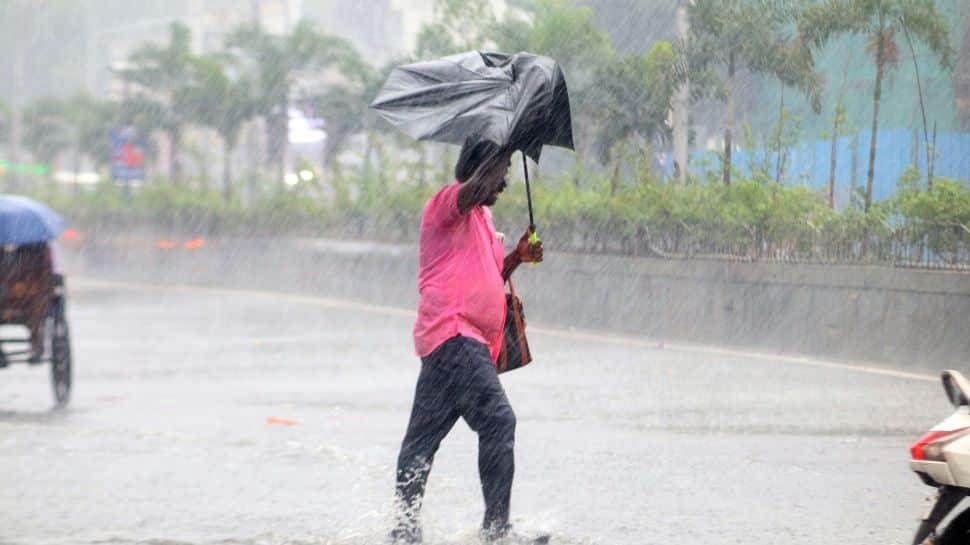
{"x": 31, "y": 292}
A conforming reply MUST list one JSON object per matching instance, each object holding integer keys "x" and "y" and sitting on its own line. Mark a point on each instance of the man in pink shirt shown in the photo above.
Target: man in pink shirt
{"x": 458, "y": 335}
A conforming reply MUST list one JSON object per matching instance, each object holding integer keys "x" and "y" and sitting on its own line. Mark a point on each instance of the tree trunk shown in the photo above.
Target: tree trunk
{"x": 226, "y": 169}
{"x": 615, "y": 179}
{"x": 729, "y": 121}
{"x": 76, "y": 161}
{"x": 876, "y": 98}
{"x": 833, "y": 157}
{"x": 330, "y": 150}
{"x": 922, "y": 109}
{"x": 368, "y": 150}
{"x": 174, "y": 141}
{"x": 277, "y": 133}
{"x": 961, "y": 78}
{"x": 781, "y": 125}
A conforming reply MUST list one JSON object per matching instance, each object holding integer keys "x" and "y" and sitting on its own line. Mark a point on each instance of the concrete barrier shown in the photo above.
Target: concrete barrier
{"x": 901, "y": 317}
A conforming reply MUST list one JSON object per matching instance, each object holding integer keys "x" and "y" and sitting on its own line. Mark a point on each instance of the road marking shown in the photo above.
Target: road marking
{"x": 575, "y": 335}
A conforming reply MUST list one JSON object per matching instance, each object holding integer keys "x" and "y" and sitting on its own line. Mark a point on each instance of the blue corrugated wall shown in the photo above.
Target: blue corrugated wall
{"x": 896, "y": 150}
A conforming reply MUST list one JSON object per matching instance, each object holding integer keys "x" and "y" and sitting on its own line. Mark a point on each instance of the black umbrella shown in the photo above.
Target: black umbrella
{"x": 518, "y": 101}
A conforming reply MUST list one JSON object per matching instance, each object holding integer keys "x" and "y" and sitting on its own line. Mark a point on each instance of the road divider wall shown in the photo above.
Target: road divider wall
{"x": 902, "y": 317}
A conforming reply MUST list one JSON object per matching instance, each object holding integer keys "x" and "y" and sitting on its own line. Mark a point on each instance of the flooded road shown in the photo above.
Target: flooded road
{"x": 230, "y": 417}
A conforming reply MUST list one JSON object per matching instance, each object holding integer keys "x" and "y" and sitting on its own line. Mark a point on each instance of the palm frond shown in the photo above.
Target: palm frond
{"x": 923, "y": 21}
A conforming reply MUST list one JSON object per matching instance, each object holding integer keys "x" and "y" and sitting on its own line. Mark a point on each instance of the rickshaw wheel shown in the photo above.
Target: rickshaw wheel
{"x": 61, "y": 361}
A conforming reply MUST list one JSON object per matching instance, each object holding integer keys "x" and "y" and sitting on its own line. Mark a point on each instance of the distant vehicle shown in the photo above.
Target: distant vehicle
{"x": 941, "y": 458}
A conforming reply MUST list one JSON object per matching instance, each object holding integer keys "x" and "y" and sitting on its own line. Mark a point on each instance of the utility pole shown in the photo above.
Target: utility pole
{"x": 679, "y": 114}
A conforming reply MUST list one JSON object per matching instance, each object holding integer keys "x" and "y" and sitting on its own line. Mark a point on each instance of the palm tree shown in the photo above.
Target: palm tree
{"x": 727, "y": 35}
{"x": 46, "y": 133}
{"x": 223, "y": 101}
{"x": 163, "y": 72}
{"x": 346, "y": 107}
{"x": 79, "y": 124}
{"x": 880, "y": 21}
{"x": 275, "y": 64}
{"x": 92, "y": 121}
{"x": 457, "y": 25}
{"x": 633, "y": 101}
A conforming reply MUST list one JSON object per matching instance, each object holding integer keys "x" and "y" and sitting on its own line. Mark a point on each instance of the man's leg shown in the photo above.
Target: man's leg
{"x": 432, "y": 417}
{"x": 486, "y": 409}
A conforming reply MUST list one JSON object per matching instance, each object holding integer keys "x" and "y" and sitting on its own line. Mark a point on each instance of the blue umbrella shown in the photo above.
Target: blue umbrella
{"x": 26, "y": 221}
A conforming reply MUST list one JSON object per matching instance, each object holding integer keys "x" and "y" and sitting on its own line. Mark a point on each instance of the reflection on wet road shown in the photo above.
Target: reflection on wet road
{"x": 201, "y": 416}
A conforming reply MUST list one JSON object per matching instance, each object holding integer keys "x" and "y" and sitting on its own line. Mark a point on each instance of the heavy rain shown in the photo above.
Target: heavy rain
{"x": 494, "y": 272}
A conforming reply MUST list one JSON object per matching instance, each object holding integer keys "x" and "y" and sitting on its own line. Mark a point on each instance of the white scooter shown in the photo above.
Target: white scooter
{"x": 941, "y": 458}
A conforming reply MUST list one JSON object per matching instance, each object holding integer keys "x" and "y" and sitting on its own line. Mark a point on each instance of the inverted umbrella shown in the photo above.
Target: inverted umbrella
{"x": 26, "y": 221}
{"x": 516, "y": 101}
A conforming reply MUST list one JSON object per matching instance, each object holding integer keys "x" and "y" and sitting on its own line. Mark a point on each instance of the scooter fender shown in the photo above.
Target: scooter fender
{"x": 945, "y": 501}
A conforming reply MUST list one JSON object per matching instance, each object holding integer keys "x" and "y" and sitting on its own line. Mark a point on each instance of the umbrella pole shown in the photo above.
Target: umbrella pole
{"x": 528, "y": 196}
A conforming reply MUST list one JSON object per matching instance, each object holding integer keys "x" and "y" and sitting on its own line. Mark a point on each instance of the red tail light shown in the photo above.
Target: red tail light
{"x": 930, "y": 446}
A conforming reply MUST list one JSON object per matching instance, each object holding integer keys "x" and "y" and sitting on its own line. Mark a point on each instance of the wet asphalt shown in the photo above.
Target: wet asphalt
{"x": 202, "y": 416}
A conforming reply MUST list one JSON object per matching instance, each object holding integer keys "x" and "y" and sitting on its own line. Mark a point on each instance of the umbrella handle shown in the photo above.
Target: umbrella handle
{"x": 533, "y": 237}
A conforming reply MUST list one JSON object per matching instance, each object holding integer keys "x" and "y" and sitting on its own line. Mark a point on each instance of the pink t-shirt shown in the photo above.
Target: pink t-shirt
{"x": 460, "y": 277}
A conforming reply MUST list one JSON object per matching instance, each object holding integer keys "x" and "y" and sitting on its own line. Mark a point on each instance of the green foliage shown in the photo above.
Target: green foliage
{"x": 939, "y": 216}
{"x": 632, "y": 100}
{"x": 731, "y": 34}
{"x": 753, "y": 218}
{"x": 161, "y": 74}
{"x": 79, "y": 122}
{"x": 880, "y": 21}
{"x": 728, "y": 35}
{"x": 618, "y": 101}
{"x": 45, "y": 134}
{"x": 273, "y": 64}
{"x": 220, "y": 102}
{"x": 459, "y": 25}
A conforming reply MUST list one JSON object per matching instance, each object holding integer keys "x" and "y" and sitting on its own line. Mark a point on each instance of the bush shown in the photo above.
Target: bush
{"x": 579, "y": 210}
{"x": 937, "y": 218}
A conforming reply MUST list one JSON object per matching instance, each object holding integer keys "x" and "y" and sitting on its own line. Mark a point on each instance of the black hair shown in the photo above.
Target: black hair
{"x": 473, "y": 154}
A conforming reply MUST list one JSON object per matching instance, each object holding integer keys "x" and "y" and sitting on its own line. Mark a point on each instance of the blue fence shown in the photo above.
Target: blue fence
{"x": 808, "y": 163}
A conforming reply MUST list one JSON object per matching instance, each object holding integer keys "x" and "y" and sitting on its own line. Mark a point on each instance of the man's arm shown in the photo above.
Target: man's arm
{"x": 512, "y": 262}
